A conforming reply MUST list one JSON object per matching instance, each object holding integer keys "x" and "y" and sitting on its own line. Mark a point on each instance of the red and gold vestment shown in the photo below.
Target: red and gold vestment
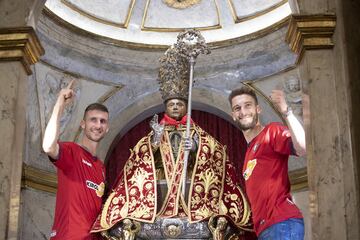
{"x": 213, "y": 190}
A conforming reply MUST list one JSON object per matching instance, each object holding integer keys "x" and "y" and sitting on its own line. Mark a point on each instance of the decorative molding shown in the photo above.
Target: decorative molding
{"x": 299, "y": 180}
{"x": 181, "y": 4}
{"x": 38, "y": 179}
{"x": 310, "y": 32}
{"x": 249, "y": 37}
{"x": 253, "y": 15}
{"x": 107, "y": 40}
{"x": 161, "y": 29}
{"x": 99, "y": 19}
{"x": 157, "y": 47}
{"x": 20, "y": 44}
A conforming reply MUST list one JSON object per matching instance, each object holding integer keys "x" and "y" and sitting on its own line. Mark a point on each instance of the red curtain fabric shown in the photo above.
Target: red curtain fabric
{"x": 219, "y": 128}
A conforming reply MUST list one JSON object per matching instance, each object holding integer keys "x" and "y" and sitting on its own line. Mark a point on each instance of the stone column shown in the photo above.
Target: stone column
{"x": 19, "y": 49}
{"x": 332, "y": 160}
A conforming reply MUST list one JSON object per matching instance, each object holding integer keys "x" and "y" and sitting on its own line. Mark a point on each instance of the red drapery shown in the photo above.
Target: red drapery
{"x": 219, "y": 128}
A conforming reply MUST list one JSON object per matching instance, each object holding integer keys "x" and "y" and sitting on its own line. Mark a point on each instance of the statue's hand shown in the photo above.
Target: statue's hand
{"x": 189, "y": 144}
{"x": 155, "y": 126}
{"x": 158, "y": 130}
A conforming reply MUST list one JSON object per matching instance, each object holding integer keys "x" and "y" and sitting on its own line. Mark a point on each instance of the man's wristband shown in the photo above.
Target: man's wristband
{"x": 288, "y": 112}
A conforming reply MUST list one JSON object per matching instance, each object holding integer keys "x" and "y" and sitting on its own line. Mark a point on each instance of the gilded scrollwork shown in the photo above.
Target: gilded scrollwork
{"x": 208, "y": 179}
{"x": 203, "y": 212}
{"x": 181, "y": 4}
{"x": 138, "y": 180}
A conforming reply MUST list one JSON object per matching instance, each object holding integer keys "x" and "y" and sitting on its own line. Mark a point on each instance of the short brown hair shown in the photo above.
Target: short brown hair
{"x": 96, "y": 106}
{"x": 241, "y": 91}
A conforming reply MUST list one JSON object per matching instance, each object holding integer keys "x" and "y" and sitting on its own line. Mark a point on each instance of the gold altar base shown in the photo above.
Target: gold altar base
{"x": 171, "y": 228}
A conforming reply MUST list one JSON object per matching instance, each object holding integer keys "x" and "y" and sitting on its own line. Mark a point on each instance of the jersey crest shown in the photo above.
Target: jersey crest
{"x": 249, "y": 168}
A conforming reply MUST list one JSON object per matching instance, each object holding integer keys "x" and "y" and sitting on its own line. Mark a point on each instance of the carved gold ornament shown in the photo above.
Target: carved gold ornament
{"x": 172, "y": 231}
{"x": 181, "y": 4}
{"x": 20, "y": 44}
{"x": 308, "y": 32}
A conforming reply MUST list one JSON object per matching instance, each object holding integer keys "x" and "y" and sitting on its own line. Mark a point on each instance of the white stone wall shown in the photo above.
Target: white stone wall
{"x": 301, "y": 199}
{"x": 37, "y": 208}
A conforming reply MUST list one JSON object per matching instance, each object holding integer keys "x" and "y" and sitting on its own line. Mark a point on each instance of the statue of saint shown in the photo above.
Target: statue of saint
{"x": 212, "y": 189}
{"x": 292, "y": 89}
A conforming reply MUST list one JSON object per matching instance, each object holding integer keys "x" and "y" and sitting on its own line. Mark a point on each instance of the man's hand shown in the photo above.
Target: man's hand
{"x": 295, "y": 127}
{"x": 278, "y": 99}
{"x": 157, "y": 128}
{"x": 67, "y": 94}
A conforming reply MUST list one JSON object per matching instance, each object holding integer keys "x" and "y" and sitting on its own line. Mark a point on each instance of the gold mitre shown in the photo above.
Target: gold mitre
{"x": 175, "y": 64}
{"x": 174, "y": 75}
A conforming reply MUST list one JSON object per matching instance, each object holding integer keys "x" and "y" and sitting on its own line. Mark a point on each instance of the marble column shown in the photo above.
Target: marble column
{"x": 328, "y": 115}
{"x": 19, "y": 49}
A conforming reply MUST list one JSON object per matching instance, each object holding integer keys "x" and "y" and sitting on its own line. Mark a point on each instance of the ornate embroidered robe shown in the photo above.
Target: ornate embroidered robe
{"x": 213, "y": 190}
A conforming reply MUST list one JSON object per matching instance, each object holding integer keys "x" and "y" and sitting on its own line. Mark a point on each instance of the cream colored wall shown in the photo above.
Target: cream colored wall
{"x": 37, "y": 214}
{"x": 301, "y": 199}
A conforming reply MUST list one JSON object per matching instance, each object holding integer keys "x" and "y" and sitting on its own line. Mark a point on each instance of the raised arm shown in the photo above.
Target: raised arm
{"x": 50, "y": 142}
{"x": 158, "y": 131}
{"x": 295, "y": 127}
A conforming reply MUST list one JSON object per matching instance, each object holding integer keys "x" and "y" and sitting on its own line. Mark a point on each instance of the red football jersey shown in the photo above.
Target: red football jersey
{"x": 81, "y": 184}
{"x": 266, "y": 177}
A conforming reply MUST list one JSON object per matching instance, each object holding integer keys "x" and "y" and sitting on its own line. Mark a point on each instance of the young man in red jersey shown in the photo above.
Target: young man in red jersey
{"x": 81, "y": 175}
{"x": 265, "y": 170}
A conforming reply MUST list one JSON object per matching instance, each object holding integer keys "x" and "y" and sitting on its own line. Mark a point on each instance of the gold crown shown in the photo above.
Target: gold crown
{"x": 174, "y": 65}
{"x": 174, "y": 75}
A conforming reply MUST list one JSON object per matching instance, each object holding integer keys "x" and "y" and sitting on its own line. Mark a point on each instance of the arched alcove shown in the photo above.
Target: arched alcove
{"x": 223, "y": 130}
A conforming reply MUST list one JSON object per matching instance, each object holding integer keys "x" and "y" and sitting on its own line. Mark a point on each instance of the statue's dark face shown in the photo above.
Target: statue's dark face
{"x": 175, "y": 108}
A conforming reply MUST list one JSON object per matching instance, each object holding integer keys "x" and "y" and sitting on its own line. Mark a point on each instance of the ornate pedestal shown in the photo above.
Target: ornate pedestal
{"x": 170, "y": 228}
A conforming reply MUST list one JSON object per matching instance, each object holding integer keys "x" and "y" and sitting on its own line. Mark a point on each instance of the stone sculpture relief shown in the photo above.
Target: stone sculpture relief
{"x": 292, "y": 89}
